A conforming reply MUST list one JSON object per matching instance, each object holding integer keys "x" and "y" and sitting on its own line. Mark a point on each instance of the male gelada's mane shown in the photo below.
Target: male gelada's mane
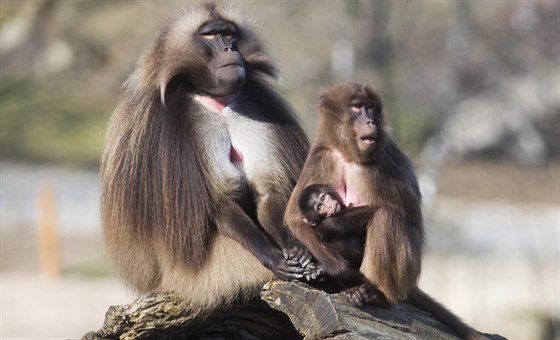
{"x": 172, "y": 219}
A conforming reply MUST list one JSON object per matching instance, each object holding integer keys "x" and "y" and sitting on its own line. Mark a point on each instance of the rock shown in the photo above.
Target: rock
{"x": 163, "y": 316}
{"x": 319, "y": 315}
{"x": 286, "y": 310}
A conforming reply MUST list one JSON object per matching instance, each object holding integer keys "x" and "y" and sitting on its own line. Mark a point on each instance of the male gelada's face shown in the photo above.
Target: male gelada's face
{"x": 220, "y": 38}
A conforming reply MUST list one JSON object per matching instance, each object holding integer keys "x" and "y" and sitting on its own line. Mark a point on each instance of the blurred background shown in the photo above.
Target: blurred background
{"x": 471, "y": 90}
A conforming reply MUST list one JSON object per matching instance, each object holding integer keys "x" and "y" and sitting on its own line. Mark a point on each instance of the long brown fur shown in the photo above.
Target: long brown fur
{"x": 162, "y": 191}
{"x": 383, "y": 178}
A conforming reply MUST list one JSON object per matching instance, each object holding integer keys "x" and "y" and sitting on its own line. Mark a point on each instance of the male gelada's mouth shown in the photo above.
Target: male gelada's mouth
{"x": 232, "y": 64}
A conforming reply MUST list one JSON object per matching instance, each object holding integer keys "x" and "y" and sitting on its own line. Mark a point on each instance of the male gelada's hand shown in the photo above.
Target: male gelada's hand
{"x": 299, "y": 256}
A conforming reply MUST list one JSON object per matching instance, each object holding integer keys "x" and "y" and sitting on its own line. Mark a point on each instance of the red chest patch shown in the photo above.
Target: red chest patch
{"x": 218, "y": 104}
{"x": 235, "y": 156}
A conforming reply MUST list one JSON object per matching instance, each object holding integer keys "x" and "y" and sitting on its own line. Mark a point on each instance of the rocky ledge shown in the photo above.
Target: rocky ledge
{"x": 285, "y": 310}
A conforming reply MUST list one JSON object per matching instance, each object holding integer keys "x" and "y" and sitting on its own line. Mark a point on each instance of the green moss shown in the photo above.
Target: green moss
{"x": 43, "y": 122}
{"x": 411, "y": 128}
{"x": 94, "y": 268}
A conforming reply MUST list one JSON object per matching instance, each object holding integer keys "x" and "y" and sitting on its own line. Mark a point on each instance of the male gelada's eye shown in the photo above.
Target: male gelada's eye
{"x": 356, "y": 106}
{"x": 208, "y": 36}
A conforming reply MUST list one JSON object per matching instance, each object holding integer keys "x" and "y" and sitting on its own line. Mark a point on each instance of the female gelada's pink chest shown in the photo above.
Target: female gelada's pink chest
{"x": 349, "y": 186}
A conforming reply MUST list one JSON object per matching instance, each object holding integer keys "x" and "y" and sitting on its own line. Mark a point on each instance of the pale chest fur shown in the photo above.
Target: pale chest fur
{"x": 237, "y": 147}
{"x": 253, "y": 140}
{"x": 349, "y": 182}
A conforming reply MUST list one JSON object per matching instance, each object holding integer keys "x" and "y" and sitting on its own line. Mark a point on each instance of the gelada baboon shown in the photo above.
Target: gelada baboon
{"x": 343, "y": 228}
{"x": 353, "y": 154}
{"x": 200, "y": 159}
